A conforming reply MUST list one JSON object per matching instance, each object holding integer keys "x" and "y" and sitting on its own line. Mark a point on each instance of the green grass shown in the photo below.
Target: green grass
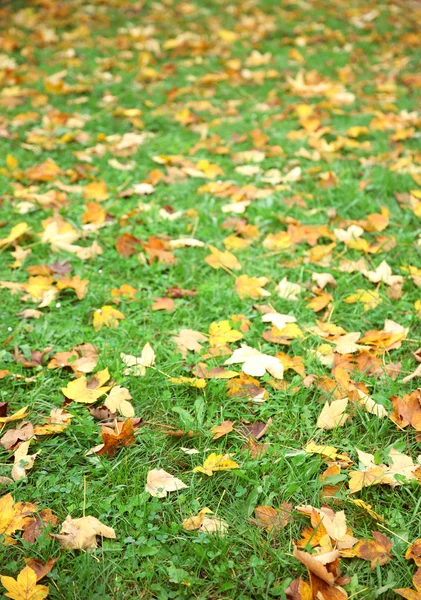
{"x": 153, "y": 557}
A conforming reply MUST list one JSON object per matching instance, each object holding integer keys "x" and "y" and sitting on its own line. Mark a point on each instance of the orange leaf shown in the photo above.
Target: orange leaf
{"x": 377, "y": 551}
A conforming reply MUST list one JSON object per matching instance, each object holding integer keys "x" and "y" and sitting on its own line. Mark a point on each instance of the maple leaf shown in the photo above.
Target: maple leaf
{"x": 137, "y": 365}
{"x": 252, "y": 287}
{"x": 288, "y": 290}
{"x": 222, "y": 333}
{"x": 407, "y": 410}
{"x": 118, "y": 401}
{"x": 81, "y": 534}
{"x": 401, "y": 467}
{"x": 23, "y": 461}
{"x": 15, "y": 233}
{"x": 255, "y": 363}
{"x": 333, "y": 414}
{"x": 247, "y": 387}
{"x": 24, "y": 587}
{"x": 87, "y": 392}
{"x": 189, "y": 339}
{"x": 414, "y": 552}
{"x": 216, "y": 462}
{"x": 126, "y": 245}
{"x": 222, "y": 429}
{"x": 224, "y": 260}
{"x": 207, "y": 522}
{"x": 122, "y": 435}
{"x": 377, "y": 551}
{"x": 370, "y": 298}
{"x": 14, "y": 517}
{"x": 75, "y": 283}
{"x": 45, "y": 171}
{"x": 38, "y": 524}
{"x": 272, "y": 519}
{"x": 96, "y": 190}
{"x": 24, "y": 431}
{"x": 107, "y": 316}
{"x": 159, "y": 483}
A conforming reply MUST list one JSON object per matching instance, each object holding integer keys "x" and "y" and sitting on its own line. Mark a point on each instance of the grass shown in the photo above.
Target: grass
{"x": 153, "y": 556}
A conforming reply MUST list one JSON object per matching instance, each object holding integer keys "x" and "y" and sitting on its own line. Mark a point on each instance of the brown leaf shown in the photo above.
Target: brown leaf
{"x": 41, "y": 569}
{"x": 126, "y": 245}
{"x": 377, "y": 551}
{"x": 222, "y": 429}
{"x": 272, "y": 519}
{"x": 39, "y": 522}
{"x": 24, "y": 431}
{"x": 123, "y": 435}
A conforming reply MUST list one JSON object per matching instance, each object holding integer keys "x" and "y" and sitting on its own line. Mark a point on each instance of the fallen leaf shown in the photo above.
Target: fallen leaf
{"x": 82, "y": 533}
{"x": 107, "y": 316}
{"x": 24, "y": 587}
{"x": 122, "y": 435}
{"x": 333, "y": 414}
{"x": 252, "y": 287}
{"x": 137, "y": 365}
{"x": 216, "y": 462}
{"x": 189, "y": 339}
{"x": 87, "y": 392}
{"x": 207, "y": 522}
{"x": 255, "y": 363}
{"x": 377, "y": 551}
{"x": 22, "y": 461}
{"x": 159, "y": 483}
{"x": 224, "y": 260}
{"x": 118, "y": 401}
{"x": 223, "y": 429}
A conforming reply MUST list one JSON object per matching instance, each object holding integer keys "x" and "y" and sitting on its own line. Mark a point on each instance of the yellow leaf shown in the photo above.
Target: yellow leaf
{"x": 191, "y": 381}
{"x": 11, "y": 162}
{"x": 14, "y": 517}
{"x": 16, "y": 232}
{"x": 87, "y": 392}
{"x": 221, "y": 333}
{"x": 25, "y": 586}
{"x": 20, "y": 414}
{"x": 203, "y": 522}
{"x": 108, "y": 316}
{"x": 252, "y": 287}
{"x": 219, "y": 259}
{"x": 96, "y": 190}
{"x": 217, "y": 462}
{"x": 75, "y": 283}
{"x": 370, "y": 298}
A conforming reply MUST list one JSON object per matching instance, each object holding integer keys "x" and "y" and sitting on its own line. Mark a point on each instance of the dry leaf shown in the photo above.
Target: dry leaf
{"x": 107, "y": 316}
{"x": 159, "y": 483}
{"x": 24, "y": 587}
{"x": 377, "y": 551}
{"x": 81, "y": 534}
{"x": 216, "y": 462}
{"x": 255, "y": 363}
{"x": 137, "y": 365}
{"x": 87, "y": 392}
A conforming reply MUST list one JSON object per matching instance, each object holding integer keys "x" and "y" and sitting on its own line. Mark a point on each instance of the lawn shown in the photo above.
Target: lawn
{"x": 210, "y": 285}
